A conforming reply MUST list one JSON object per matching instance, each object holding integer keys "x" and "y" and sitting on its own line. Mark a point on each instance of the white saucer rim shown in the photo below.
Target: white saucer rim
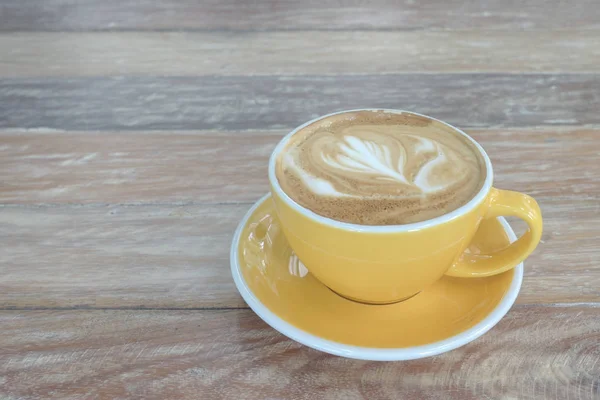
{"x": 370, "y": 353}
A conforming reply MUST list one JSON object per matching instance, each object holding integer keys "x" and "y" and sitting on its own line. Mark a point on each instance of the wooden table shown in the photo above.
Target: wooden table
{"x": 135, "y": 134}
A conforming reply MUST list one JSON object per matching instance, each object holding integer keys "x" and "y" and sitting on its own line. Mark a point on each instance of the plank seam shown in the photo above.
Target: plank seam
{"x": 150, "y": 77}
{"x": 102, "y": 205}
{"x": 142, "y": 308}
{"x": 268, "y": 131}
{"x": 298, "y": 30}
{"x": 408, "y": 72}
{"x": 124, "y": 308}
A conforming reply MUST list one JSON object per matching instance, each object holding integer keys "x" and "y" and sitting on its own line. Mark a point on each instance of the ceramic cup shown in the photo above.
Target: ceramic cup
{"x": 389, "y": 263}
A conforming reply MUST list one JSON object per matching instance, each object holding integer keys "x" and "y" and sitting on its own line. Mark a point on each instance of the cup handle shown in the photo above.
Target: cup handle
{"x": 504, "y": 203}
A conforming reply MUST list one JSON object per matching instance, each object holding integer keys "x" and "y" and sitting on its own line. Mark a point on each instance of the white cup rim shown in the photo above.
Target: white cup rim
{"x": 474, "y": 202}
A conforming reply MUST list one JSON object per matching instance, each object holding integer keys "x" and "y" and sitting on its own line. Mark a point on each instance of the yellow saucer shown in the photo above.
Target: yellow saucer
{"x": 446, "y": 315}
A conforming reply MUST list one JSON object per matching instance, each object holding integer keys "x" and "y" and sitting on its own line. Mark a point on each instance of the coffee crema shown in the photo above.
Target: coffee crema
{"x": 380, "y": 168}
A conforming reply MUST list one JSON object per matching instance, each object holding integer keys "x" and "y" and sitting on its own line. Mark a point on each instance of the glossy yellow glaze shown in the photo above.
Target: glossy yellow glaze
{"x": 381, "y": 267}
{"x": 283, "y": 284}
{"x": 504, "y": 203}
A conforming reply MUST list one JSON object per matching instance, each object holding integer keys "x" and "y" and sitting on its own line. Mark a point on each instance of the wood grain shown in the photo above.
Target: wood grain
{"x": 61, "y": 15}
{"x": 534, "y": 353}
{"x": 173, "y": 251}
{"x": 162, "y": 256}
{"x": 117, "y": 167}
{"x": 296, "y": 53}
{"x": 271, "y": 102}
{"x": 134, "y": 135}
{"x": 118, "y": 256}
{"x": 41, "y": 167}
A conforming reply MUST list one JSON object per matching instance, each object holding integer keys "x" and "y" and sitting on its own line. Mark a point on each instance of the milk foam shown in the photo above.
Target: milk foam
{"x": 318, "y": 186}
{"x": 392, "y": 171}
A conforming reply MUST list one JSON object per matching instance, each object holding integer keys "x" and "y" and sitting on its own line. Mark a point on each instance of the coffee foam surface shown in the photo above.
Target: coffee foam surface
{"x": 379, "y": 168}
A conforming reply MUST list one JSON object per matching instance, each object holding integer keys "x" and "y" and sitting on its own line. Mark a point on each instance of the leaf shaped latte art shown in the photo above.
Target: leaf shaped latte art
{"x": 388, "y": 161}
{"x": 364, "y": 156}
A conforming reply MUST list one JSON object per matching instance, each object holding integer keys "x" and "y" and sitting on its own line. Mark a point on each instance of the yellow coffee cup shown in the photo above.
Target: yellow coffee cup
{"x": 389, "y": 263}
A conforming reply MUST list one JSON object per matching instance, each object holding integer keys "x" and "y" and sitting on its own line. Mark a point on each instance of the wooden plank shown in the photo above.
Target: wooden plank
{"x": 128, "y": 168}
{"x": 178, "y": 256}
{"x": 535, "y": 352}
{"x": 56, "y": 15}
{"x": 231, "y": 166}
{"x": 296, "y": 53}
{"x": 267, "y": 102}
{"x": 118, "y": 256}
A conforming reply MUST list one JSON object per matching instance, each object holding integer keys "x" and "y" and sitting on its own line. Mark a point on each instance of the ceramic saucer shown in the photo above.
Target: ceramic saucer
{"x": 444, "y": 316}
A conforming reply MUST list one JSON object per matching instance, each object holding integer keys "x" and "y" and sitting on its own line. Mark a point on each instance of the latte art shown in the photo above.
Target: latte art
{"x": 375, "y": 160}
{"x": 375, "y": 168}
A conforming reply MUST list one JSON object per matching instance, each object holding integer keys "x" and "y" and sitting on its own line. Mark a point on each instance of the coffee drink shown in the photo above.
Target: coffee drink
{"x": 380, "y": 168}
